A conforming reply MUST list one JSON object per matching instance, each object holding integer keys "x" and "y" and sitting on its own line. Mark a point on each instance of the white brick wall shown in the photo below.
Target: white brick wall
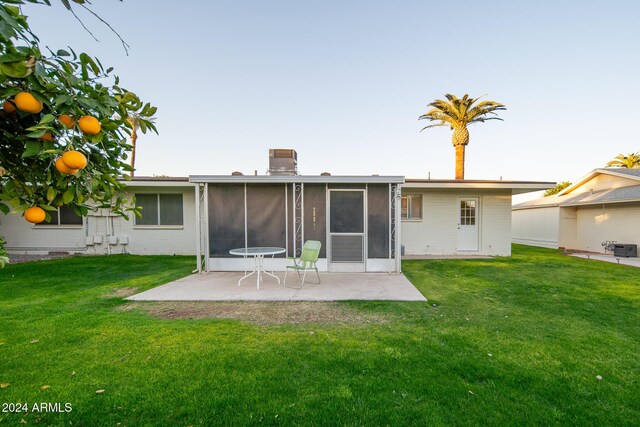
{"x": 437, "y": 232}
{"x": 495, "y": 224}
{"x": 23, "y": 237}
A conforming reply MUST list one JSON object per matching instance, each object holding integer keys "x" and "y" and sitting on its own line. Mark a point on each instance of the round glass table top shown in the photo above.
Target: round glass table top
{"x": 261, "y": 250}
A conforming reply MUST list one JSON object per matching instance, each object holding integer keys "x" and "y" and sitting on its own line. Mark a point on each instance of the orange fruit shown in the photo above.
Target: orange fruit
{"x": 89, "y": 125}
{"x": 34, "y": 215}
{"x": 67, "y": 121}
{"x": 8, "y": 106}
{"x": 46, "y": 137}
{"x": 27, "y": 103}
{"x": 64, "y": 169}
{"x": 74, "y": 159}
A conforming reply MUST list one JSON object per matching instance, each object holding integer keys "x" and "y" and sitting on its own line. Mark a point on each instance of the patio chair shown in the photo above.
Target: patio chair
{"x": 307, "y": 261}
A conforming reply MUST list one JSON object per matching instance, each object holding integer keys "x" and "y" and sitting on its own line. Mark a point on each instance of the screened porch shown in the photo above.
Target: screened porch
{"x": 356, "y": 219}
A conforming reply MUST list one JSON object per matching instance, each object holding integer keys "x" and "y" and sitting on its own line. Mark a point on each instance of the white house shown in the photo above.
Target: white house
{"x": 361, "y": 221}
{"x": 460, "y": 217}
{"x": 602, "y": 206}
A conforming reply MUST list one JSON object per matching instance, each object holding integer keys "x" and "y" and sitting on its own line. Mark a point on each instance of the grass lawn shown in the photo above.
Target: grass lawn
{"x": 517, "y": 340}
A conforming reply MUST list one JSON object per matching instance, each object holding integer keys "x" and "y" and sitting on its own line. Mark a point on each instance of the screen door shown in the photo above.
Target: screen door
{"x": 347, "y": 230}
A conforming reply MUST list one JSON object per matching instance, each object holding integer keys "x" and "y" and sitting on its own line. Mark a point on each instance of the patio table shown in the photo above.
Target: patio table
{"x": 258, "y": 254}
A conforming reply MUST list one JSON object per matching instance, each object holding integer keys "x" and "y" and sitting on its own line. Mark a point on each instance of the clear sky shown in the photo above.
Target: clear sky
{"x": 343, "y": 82}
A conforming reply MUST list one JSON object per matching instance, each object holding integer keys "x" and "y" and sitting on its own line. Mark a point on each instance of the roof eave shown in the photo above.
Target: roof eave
{"x": 591, "y": 175}
{"x": 319, "y": 179}
{"x": 172, "y": 184}
{"x": 516, "y": 187}
{"x": 601, "y": 202}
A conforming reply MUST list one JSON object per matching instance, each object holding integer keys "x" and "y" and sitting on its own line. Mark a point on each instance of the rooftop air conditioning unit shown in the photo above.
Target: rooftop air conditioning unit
{"x": 283, "y": 162}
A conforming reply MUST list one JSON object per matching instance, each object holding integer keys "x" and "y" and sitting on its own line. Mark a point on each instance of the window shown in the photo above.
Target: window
{"x": 468, "y": 212}
{"x": 160, "y": 209}
{"x": 63, "y": 216}
{"x": 412, "y": 206}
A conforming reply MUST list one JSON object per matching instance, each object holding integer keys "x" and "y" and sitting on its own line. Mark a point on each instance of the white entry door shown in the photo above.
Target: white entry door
{"x": 468, "y": 220}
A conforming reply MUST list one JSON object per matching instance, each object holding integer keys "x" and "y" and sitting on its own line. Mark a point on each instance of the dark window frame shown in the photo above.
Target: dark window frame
{"x": 158, "y": 220}
{"x": 60, "y": 218}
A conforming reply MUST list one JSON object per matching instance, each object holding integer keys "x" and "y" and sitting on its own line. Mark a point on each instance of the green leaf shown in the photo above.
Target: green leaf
{"x": 62, "y": 99}
{"x": 48, "y": 208}
{"x": 11, "y": 57}
{"x": 36, "y": 133}
{"x": 47, "y": 118}
{"x": 51, "y": 194}
{"x": 68, "y": 195}
{"x": 16, "y": 69}
{"x": 4, "y": 208}
{"x": 62, "y": 52}
{"x": 32, "y": 149}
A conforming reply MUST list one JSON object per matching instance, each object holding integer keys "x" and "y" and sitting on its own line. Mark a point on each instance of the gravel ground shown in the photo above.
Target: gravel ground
{"x": 18, "y": 258}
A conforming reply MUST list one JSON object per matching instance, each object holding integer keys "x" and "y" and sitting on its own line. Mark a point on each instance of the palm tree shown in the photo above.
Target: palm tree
{"x": 134, "y": 121}
{"x": 458, "y": 113}
{"x": 629, "y": 161}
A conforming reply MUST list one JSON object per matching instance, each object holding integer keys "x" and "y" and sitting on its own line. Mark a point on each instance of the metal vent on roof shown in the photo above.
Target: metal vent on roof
{"x": 283, "y": 161}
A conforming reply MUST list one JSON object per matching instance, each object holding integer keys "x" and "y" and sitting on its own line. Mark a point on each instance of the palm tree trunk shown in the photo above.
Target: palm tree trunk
{"x": 134, "y": 138}
{"x": 460, "y": 150}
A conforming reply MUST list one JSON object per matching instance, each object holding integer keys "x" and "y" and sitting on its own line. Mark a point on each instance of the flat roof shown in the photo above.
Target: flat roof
{"x": 157, "y": 181}
{"x": 159, "y": 178}
{"x": 516, "y": 187}
{"x": 303, "y": 179}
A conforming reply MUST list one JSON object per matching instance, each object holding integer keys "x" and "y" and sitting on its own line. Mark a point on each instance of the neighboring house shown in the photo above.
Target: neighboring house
{"x": 460, "y": 217}
{"x": 604, "y": 205}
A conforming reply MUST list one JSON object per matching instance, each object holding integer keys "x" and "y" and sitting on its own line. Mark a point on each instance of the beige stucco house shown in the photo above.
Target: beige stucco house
{"x": 602, "y": 206}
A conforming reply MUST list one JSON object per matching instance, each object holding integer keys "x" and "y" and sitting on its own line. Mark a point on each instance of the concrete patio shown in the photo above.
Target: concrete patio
{"x": 223, "y": 286}
{"x": 633, "y": 262}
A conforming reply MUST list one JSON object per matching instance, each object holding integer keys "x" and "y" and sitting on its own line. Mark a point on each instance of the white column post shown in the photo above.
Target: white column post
{"x": 398, "y": 206}
{"x": 207, "y": 252}
{"x": 198, "y": 229}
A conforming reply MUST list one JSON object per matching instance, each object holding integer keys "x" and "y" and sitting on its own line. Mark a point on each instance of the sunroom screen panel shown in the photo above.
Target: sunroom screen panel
{"x": 226, "y": 219}
{"x": 378, "y": 221}
{"x": 266, "y": 215}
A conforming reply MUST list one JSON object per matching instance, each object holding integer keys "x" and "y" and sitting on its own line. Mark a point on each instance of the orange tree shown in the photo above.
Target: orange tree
{"x": 64, "y": 126}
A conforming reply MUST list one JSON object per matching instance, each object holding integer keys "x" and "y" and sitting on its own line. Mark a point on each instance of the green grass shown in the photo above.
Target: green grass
{"x": 510, "y": 341}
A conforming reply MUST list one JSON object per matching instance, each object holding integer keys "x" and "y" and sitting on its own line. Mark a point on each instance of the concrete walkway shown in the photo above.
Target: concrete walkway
{"x": 634, "y": 262}
{"x": 223, "y": 286}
